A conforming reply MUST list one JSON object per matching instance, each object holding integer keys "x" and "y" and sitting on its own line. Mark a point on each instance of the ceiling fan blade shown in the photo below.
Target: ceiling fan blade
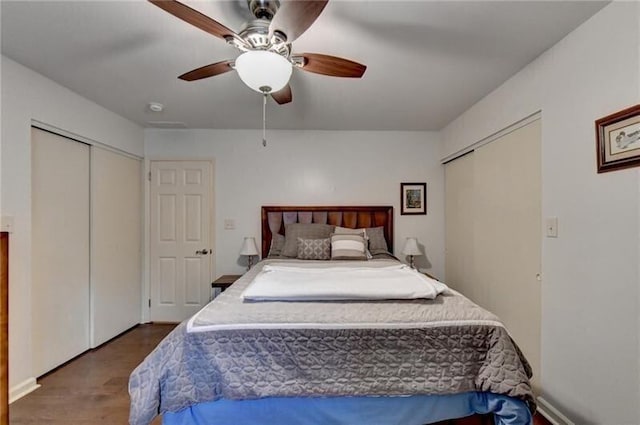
{"x": 207, "y": 71}
{"x": 195, "y": 18}
{"x": 331, "y": 65}
{"x": 295, "y": 17}
{"x": 283, "y": 95}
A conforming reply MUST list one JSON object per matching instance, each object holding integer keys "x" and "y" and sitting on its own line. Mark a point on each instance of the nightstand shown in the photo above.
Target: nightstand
{"x": 428, "y": 275}
{"x": 222, "y": 283}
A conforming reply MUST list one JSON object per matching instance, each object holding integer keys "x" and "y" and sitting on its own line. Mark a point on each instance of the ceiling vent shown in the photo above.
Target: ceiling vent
{"x": 166, "y": 124}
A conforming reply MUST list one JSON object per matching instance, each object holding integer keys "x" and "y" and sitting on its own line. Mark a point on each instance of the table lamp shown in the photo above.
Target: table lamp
{"x": 411, "y": 249}
{"x": 249, "y": 248}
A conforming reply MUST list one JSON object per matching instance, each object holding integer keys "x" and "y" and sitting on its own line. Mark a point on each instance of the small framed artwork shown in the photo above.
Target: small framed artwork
{"x": 618, "y": 140}
{"x": 413, "y": 198}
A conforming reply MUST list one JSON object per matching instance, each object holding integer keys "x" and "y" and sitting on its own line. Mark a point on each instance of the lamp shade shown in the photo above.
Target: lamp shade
{"x": 249, "y": 247}
{"x": 411, "y": 247}
{"x": 263, "y": 71}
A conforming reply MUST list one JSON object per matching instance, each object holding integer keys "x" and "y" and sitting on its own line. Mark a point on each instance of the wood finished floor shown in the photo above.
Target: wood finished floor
{"x": 92, "y": 389}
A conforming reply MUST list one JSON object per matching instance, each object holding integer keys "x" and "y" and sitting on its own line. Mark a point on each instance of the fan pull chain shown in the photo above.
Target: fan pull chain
{"x": 264, "y": 120}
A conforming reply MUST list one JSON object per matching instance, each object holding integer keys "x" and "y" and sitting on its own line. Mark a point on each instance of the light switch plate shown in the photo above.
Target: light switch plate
{"x": 551, "y": 224}
{"x": 6, "y": 224}
{"x": 229, "y": 224}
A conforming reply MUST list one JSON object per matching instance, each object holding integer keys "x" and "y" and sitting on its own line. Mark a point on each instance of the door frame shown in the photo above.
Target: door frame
{"x": 495, "y": 136}
{"x": 146, "y": 267}
{"x": 4, "y": 328}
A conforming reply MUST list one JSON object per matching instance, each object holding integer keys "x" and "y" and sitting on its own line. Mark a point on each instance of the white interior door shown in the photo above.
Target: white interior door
{"x": 180, "y": 234}
{"x": 60, "y": 249}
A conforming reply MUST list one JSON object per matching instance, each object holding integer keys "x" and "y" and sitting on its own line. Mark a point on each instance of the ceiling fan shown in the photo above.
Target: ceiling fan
{"x": 267, "y": 60}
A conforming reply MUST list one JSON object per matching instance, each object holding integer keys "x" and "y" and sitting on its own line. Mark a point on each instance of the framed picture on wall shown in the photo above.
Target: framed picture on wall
{"x": 618, "y": 140}
{"x": 413, "y": 198}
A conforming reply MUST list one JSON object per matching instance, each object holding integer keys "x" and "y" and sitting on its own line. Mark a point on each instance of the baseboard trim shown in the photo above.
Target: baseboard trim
{"x": 552, "y": 414}
{"x": 22, "y": 389}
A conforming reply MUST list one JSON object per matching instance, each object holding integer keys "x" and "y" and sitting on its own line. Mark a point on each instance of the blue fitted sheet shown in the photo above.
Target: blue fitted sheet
{"x": 409, "y": 410}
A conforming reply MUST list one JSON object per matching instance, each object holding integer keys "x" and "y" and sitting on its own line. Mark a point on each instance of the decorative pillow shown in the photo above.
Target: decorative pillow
{"x": 314, "y": 249}
{"x": 348, "y": 247}
{"x": 293, "y": 231}
{"x": 377, "y": 242}
{"x": 277, "y": 243}
{"x": 348, "y": 231}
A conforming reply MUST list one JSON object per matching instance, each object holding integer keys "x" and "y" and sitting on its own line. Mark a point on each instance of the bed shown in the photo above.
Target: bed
{"x": 248, "y": 359}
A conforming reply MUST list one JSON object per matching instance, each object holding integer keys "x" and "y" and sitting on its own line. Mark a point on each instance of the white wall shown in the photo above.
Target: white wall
{"x": 590, "y": 292}
{"x": 312, "y": 168}
{"x": 28, "y": 96}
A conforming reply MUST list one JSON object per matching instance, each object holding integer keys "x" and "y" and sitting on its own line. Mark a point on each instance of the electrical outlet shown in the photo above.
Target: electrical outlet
{"x": 229, "y": 224}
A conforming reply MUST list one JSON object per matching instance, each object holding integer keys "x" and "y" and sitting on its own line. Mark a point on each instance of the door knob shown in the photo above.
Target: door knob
{"x": 203, "y": 252}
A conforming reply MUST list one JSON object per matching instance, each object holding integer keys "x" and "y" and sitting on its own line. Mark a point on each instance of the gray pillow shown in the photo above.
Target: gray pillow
{"x": 314, "y": 249}
{"x": 348, "y": 231}
{"x": 294, "y": 231}
{"x": 277, "y": 243}
{"x": 377, "y": 242}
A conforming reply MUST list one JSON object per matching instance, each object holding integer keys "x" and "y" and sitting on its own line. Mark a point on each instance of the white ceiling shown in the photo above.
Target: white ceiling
{"x": 427, "y": 61}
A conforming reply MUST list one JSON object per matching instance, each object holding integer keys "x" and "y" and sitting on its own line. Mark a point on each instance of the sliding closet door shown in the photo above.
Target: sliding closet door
{"x": 60, "y": 249}
{"x": 508, "y": 232}
{"x": 494, "y": 231}
{"x": 116, "y": 234}
{"x": 459, "y": 224}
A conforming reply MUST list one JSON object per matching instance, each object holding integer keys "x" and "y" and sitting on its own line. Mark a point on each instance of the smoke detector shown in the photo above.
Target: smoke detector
{"x": 155, "y": 106}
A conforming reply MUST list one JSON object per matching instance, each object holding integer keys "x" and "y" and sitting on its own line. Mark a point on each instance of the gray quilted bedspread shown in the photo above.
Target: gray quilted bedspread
{"x": 444, "y": 346}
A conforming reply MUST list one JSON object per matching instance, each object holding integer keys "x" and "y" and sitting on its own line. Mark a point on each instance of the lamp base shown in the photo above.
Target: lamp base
{"x": 250, "y": 262}
{"x": 411, "y": 263}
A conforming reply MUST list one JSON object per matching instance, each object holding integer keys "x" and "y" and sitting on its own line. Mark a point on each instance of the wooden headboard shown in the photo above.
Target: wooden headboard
{"x": 355, "y": 217}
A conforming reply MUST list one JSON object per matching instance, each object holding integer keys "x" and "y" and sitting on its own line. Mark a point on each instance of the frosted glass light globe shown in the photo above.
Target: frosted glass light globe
{"x": 264, "y": 71}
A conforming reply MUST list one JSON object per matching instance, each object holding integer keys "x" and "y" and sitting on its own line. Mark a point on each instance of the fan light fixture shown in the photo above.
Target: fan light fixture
{"x": 263, "y": 71}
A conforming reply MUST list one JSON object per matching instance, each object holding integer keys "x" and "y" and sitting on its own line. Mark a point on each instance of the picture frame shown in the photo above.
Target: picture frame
{"x": 413, "y": 198}
{"x": 618, "y": 140}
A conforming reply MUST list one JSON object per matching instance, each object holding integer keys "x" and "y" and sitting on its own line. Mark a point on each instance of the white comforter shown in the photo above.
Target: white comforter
{"x": 290, "y": 283}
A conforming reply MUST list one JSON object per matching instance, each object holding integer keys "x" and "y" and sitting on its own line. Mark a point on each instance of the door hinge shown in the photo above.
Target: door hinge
{"x": 149, "y": 175}
{"x": 149, "y": 302}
